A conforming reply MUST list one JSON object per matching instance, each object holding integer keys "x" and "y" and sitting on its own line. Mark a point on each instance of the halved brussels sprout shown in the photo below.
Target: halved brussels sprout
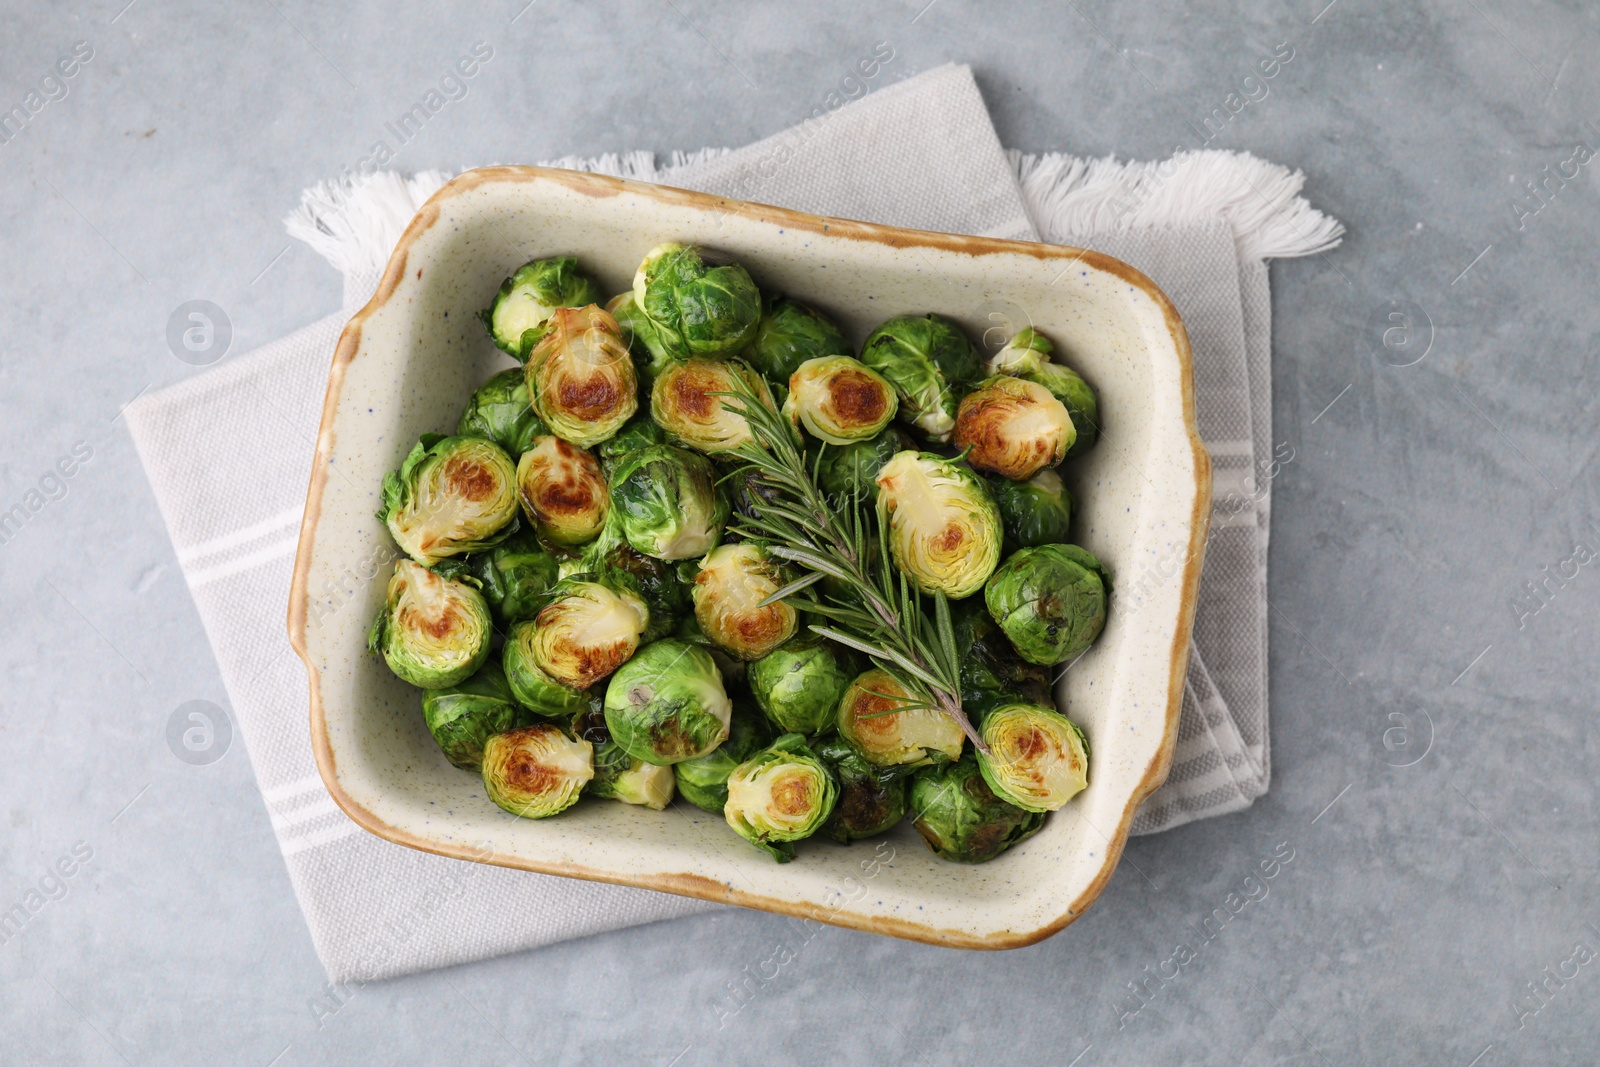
{"x": 515, "y": 576}
{"x": 1038, "y": 759}
{"x": 840, "y": 400}
{"x": 587, "y": 631}
{"x": 927, "y": 358}
{"x": 581, "y": 378}
{"x": 800, "y": 684}
{"x": 463, "y": 717}
{"x": 667, "y": 703}
{"x": 536, "y": 771}
{"x": 1050, "y": 601}
{"x": 654, "y": 581}
{"x": 650, "y": 354}
{"x": 641, "y": 431}
{"x": 791, "y": 333}
{"x": 563, "y": 493}
{"x": 526, "y": 300}
{"x": 1013, "y": 427}
{"x": 703, "y": 781}
{"x": 617, "y": 775}
{"x": 684, "y": 401}
{"x": 1027, "y": 355}
{"x": 433, "y": 632}
{"x": 702, "y": 303}
{"x": 1035, "y": 512}
{"x": 887, "y": 737}
{"x": 499, "y": 410}
{"x": 665, "y": 503}
{"x": 533, "y": 688}
{"x": 852, "y": 470}
{"x": 992, "y": 673}
{"x": 779, "y": 796}
{"x": 872, "y": 800}
{"x": 728, "y": 590}
{"x": 944, "y": 530}
{"x": 961, "y": 819}
{"x": 451, "y": 495}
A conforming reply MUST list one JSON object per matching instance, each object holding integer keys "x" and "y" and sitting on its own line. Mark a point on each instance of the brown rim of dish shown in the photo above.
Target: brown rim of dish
{"x": 694, "y": 885}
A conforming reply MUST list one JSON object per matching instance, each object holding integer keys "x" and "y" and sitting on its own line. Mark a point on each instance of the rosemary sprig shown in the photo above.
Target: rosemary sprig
{"x": 885, "y": 618}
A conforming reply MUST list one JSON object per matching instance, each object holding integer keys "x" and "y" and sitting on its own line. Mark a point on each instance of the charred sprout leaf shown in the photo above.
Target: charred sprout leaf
{"x": 944, "y": 529}
{"x": 499, "y": 410}
{"x": 529, "y": 298}
{"x": 852, "y": 470}
{"x": 703, "y": 781}
{"x": 514, "y": 575}
{"x": 688, "y": 400}
{"x": 838, "y": 399}
{"x": 879, "y": 719}
{"x": 580, "y": 377}
{"x": 640, "y": 432}
{"x": 992, "y": 673}
{"x": 463, "y": 717}
{"x": 730, "y": 594}
{"x": 1027, "y": 355}
{"x": 872, "y": 800}
{"x": 587, "y": 631}
{"x": 563, "y": 493}
{"x": 617, "y": 775}
{"x": 665, "y": 503}
{"x": 1013, "y": 427}
{"x": 667, "y": 704}
{"x": 1035, "y": 512}
{"x": 927, "y": 358}
{"x": 961, "y": 819}
{"x": 452, "y": 495}
{"x": 782, "y": 794}
{"x": 791, "y": 333}
{"x": 799, "y": 685}
{"x": 701, "y": 303}
{"x": 1038, "y": 759}
{"x": 533, "y": 688}
{"x": 1050, "y": 601}
{"x": 536, "y": 771}
{"x": 432, "y": 632}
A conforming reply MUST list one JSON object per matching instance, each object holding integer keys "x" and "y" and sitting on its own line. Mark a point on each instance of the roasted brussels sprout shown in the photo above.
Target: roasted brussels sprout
{"x": 562, "y": 491}
{"x": 650, "y": 354}
{"x": 927, "y": 358}
{"x": 587, "y": 631}
{"x": 799, "y": 685}
{"x": 779, "y": 796}
{"x": 887, "y": 737}
{"x": 944, "y": 530}
{"x": 1038, "y": 759}
{"x": 432, "y": 632}
{"x": 463, "y": 717}
{"x": 992, "y": 673}
{"x": 656, "y": 582}
{"x": 667, "y": 703}
{"x": 640, "y": 431}
{"x": 852, "y": 470}
{"x": 703, "y": 781}
{"x": 533, "y": 688}
{"x": 701, "y": 302}
{"x": 872, "y": 800}
{"x": 499, "y": 410}
{"x": 791, "y": 333}
{"x": 580, "y": 377}
{"x": 1035, "y": 512}
{"x": 665, "y": 503}
{"x": 728, "y": 590}
{"x": 838, "y": 399}
{"x": 536, "y": 771}
{"x": 617, "y": 775}
{"x": 1013, "y": 427}
{"x": 684, "y": 401}
{"x": 514, "y": 576}
{"x": 452, "y": 495}
{"x": 1027, "y": 355}
{"x": 961, "y": 819}
{"x": 1050, "y": 601}
{"x": 526, "y": 300}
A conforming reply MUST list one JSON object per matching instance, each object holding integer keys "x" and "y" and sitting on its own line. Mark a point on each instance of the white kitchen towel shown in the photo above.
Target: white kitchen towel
{"x": 378, "y": 910}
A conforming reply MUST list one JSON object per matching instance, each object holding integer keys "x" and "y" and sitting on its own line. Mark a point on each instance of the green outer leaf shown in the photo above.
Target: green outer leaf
{"x": 463, "y": 717}
{"x": 960, "y": 817}
{"x": 1050, "y": 601}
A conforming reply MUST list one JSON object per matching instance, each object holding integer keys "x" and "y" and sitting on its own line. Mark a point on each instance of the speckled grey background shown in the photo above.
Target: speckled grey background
{"x": 1421, "y": 899}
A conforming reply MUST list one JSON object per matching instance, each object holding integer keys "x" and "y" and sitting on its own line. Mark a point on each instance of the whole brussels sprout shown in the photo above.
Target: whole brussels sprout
{"x": 992, "y": 673}
{"x": 452, "y": 495}
{"x": 640, "y": 432}
{"x": 563, "y": 493}
{"x": 654, "y": 581}
{"x": 728, "y": 592}
{"x": 580, "y": 377}
{"x": 432, "y": 632}
{"x": 702, "y": 303}
{"x": 838, "y": 399}
{"x": 665, "y": 503}
{"x": 872, "y": 800}
{"x": 961, "y": 819}
{"x": 944, "y": 530}
{"x": 779, "y": 796}
{"x": 1013, "y": 427}
{"x": 685, "y": 402}
{"x": 703, "y": 781}
{"x": 799, "y": 685}
{"x": 1027, "y": 355}
{"x": 514, "y": 576}
{"x": 463, "y": 717}
{"x": 1050, "y": 601}
{"x": 587, "y": 631}
{"x": 667, "y": 704}
{"x": 536, "y": 771}
{"x": 852, "y": 470}
{"x": 617, "y": 775}
{"x": 1035, "y": 512}
{"x": 650, "y": 353}
{"x": 533, "y": 688}
{"x": 927, "y": 358}
{"x": 499, "y": 410}
{"x": 887, "y": 737}
{"x": 1038, "y": 759}
{"x": 528, "y": 298}
{"x": 791, "y": 333}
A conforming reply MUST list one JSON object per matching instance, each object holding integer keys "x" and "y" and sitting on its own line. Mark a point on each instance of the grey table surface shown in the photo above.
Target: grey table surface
{"x": 1434, "y": 747}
